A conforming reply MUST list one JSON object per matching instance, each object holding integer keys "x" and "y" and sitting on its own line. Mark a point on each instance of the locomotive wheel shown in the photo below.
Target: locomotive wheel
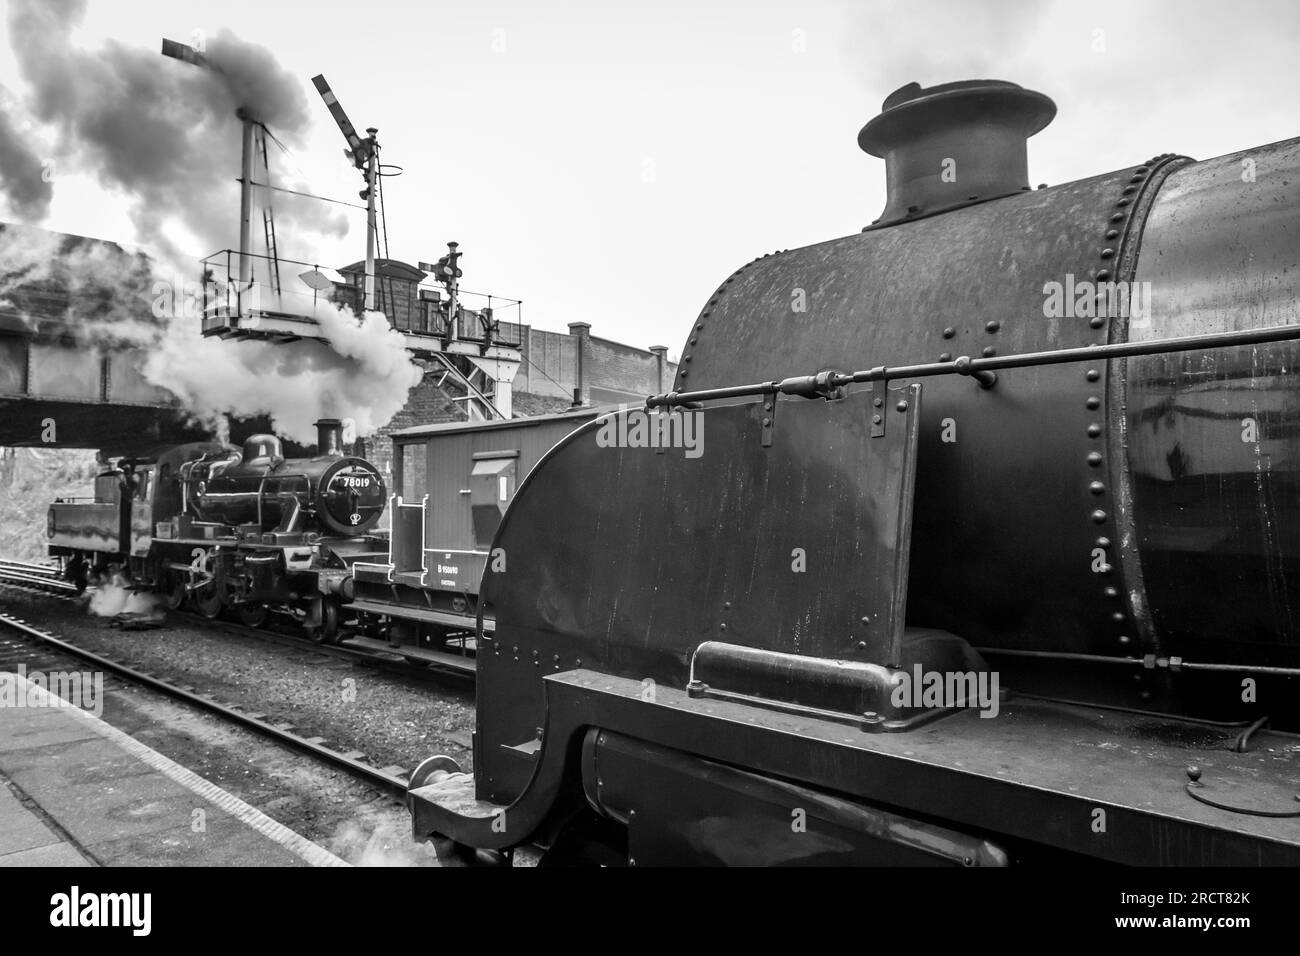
{"x": 77, "y": 572}
{"x": 328, "y": 630}
{"x": 207, "y": 600}
{"x": 251, "y": 615}
{"x": 173, "y": 592}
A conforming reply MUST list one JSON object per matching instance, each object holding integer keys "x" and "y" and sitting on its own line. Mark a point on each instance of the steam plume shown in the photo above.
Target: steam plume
{"x": 164, "y": 136}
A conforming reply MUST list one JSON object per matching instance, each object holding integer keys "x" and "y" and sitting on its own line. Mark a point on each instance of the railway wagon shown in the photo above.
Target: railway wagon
{"x": 991, "y": 555}
{"x": 452, "y": 484}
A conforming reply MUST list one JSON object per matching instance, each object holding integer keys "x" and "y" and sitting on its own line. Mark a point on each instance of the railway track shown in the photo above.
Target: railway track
{"x": 22, "y": 642}
{"x": 417, "y": 662}
{"x": 36, "y": 577}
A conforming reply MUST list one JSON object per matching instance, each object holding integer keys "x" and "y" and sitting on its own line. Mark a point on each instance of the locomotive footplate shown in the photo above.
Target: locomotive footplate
{"x": 1110, "y": 784}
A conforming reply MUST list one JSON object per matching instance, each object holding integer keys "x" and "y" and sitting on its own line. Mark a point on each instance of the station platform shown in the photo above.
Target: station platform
{"x": 75, "y": 791}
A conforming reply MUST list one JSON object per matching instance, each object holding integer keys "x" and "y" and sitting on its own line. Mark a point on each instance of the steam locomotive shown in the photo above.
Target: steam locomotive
{"x": 224, "y": 528}
{"x": 1003, "y": 568}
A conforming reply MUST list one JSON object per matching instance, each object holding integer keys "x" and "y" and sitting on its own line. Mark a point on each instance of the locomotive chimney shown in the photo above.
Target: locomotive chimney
{"x": 954, "y": 144}
{"x": 329, "y": 437}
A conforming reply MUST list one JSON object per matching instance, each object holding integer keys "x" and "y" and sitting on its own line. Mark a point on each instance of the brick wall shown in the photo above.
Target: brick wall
{"x": 427, "y": 404}
{"x": 615, "y": 372}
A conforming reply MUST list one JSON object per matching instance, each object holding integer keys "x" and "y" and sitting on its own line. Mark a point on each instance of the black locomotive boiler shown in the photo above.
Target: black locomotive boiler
{"x": 244, "y": 529}
{"x": 991, "y": 555}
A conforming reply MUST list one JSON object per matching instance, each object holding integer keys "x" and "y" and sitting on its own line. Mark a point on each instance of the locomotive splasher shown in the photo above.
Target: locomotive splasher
{"x": 1060, "y": 488}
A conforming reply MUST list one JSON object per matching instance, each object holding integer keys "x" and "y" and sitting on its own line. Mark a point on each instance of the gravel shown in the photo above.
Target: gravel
{"x": 393, "y": 719}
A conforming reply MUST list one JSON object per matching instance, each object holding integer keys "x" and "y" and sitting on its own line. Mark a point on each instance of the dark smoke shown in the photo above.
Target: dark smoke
{"x": 161, "y": 131}
{"x": 22, "y": 172}
{"x": 164, "y": 135}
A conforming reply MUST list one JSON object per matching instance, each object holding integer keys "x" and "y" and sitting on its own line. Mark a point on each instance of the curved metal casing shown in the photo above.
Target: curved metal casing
{"x": 1071, "y": 509}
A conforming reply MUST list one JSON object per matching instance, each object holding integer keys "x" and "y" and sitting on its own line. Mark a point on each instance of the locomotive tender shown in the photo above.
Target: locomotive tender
{"x": 957, "y": 472}
{"x": 220, "y": 527}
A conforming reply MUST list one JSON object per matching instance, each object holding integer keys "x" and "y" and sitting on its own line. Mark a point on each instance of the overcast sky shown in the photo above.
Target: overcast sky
{"x": 613, "y": 163}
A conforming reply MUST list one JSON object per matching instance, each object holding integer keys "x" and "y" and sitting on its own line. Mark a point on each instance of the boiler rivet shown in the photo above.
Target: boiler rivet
{"x": 1096, "y": 487}
{"x": 1107, "y": 253}
{"x": 1097, "y": 322}
{"x": 722, "y": 627}
{"x": 1123, "y": 202}
{"x": 993, "y": 325}
{"x": 1099, "y": 516}
{"x": 1112, "y": 233}
{"x": 1129, "y": 190}
{"x": 866, "y": 620}
{"x": 726, "y": 604}
{"x": 1093, "y": 375}
{"x": 693, "y": 341}
{"x": 945, "y": 357}
{"x": 1124, "y": 638}
{"x": 1103, "y": 542}
{"x": 700, "y": 328}
{"x": 1103, "y": 274}
{"x": 1117, "y": 617}
{"x": 902, "y": 406}
{"x": 862, "y": 645}
{"x": 949, "y": 332}
{"x": 1094, "y": 458}
{"x": 1111, "y": 593}
{"x": 989, "y": 351}
{"x": 1094, "y": 430}
{"x": 1093, "y": 402}
{"x": 1117, "y": 217}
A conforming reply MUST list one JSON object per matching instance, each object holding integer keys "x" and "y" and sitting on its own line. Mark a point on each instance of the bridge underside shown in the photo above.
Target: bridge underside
{"x": 56, "y": 392}
{"x": 113, "y": 429}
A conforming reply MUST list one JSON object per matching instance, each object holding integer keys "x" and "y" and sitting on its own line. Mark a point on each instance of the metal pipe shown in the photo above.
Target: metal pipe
{"x": 245, "y": 203}
{"x": 964, "y": 365}
{"x": 372, "y": 167}
{"x": 1150, "y": 662}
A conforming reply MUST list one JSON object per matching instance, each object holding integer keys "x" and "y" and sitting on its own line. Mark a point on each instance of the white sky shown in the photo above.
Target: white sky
{"x": 613, "y": 163}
